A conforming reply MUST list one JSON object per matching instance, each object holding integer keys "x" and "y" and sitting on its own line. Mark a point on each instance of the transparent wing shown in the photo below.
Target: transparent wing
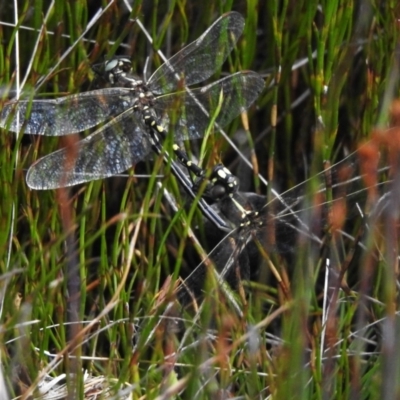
{"x": 109, "y": 151}
{"x": 188, "y": 113}
{"x": 345, "y": 206}
{"x": 339, "y": 217}
{"x": 200, "y": 59}
{"x": 65, "y": 115}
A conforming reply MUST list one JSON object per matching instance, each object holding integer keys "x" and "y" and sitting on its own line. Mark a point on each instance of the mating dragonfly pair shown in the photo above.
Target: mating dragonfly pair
{"x": 142, "y": 112}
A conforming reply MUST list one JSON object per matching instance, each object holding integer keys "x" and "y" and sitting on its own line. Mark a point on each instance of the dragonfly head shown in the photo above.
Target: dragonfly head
{"x": 117, "y": 70}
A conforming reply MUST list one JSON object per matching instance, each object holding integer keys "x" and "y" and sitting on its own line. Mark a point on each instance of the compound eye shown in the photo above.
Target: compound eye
{"x": 111, "y": 64}
{"x": 217, "y": 192}
{"x": 125, "y": 64}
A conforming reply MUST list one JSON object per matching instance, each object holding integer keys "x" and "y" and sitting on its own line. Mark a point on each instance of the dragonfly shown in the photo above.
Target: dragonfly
{"x": 351, "y": 198}
{"x": 137, "y": 111}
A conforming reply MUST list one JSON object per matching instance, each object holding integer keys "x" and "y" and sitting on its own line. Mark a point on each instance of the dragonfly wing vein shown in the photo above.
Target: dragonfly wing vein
{"x": 200, "y": 59}
{"x": 109, "y": 151}
{"x": 65, "y": 115}
{"x": 188, "y": 113}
